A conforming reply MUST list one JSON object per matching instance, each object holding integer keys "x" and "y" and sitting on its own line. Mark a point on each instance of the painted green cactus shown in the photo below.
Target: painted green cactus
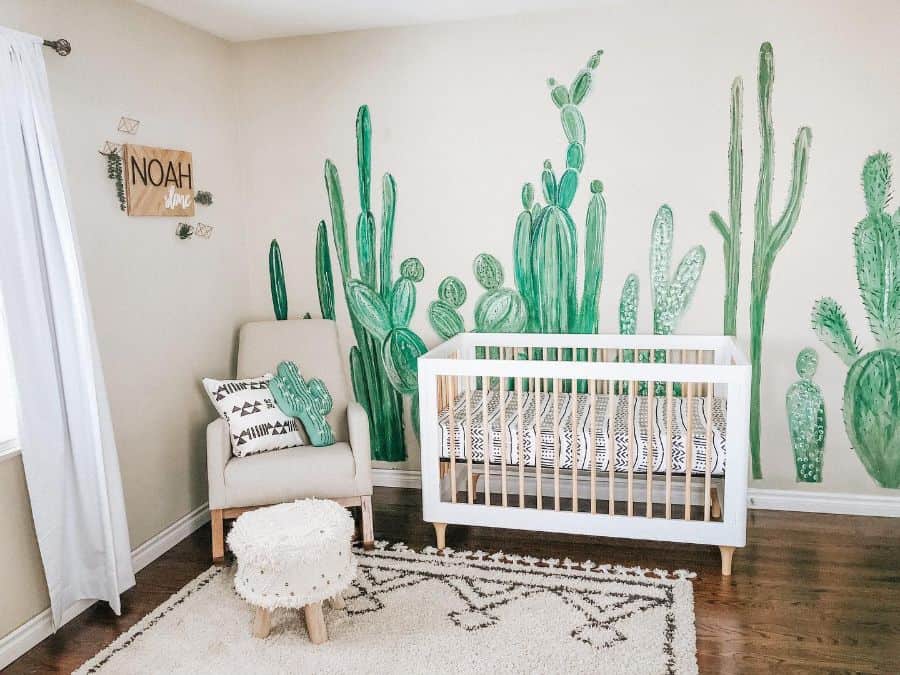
{"x": 324, "y": 279}
{"x": 545, "y": 244}
{"x": 731, "y": 232}
{"x": 769, "y": 237}
{"x": 872, "y": 387}
{"x": 443, "y": 313}
{"x": 671, "y": 296}
{"x": 276, "y": 282}
{"x": 805, "y": 409}
{"x": 499, "y": 309}
{"x": 308, "y": 401}
{"x": 383, "y": 361}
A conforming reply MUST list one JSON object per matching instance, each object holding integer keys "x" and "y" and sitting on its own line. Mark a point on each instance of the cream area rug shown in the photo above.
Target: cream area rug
{"x": 431, "y": 612}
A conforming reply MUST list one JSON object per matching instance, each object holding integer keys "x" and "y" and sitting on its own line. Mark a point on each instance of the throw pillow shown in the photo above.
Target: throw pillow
{"x": 255, "y": 422}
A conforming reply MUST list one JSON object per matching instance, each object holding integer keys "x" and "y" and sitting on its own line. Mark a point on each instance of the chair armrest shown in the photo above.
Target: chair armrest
{"x": 218, "y": 452}
{"x": 358, "y": 423}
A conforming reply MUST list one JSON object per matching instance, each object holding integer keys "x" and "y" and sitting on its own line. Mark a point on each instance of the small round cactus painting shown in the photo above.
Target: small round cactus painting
{"x": 806, "y": 419}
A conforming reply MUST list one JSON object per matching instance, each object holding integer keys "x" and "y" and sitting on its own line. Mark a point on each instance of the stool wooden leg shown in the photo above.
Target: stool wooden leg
{"x": 368, "y": 527}
{"x": 315, "y": 623}
{"x": 337, "y": 601}
{"x": 727, "y": 554}
{"x": 439, "y": 530}
{"x": 262, "y": 622}
{"x": 218, "y": 535}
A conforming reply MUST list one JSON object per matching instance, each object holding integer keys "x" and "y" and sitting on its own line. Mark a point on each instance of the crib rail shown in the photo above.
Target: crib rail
{"x": 479, "y": 379}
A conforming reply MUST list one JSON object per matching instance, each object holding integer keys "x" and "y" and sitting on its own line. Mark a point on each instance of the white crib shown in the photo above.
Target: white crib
{"x": 551, "y": 461}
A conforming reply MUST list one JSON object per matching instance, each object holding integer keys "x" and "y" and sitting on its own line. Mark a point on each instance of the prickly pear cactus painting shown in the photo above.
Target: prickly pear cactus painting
{"x": 872, "y": 387}
{"x": 443, "y": 313}
{"x": 769, "y": 237}
{"x": 806, "y": 419}
{"x": 307, "y": 400}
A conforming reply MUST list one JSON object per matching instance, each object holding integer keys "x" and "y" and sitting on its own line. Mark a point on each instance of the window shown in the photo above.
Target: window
{"x": 8, "y": 420}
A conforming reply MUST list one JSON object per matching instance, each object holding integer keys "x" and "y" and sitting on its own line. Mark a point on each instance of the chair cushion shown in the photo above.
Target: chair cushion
{"x": 294, "y": 473}
{"x": 255, "y": 423}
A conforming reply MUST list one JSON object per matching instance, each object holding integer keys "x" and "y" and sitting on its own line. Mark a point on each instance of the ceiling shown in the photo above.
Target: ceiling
{"x": 240, "y": 20}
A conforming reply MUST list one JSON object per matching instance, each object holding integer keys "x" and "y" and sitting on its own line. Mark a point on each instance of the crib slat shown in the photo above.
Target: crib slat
{"x": 669, "y": 449}
{"x": 504, "y": 456}
{"x": 707, "y": 483}
{"x": 575, "y": 435}
{"x": 611, "y": 445}
{"x": 650, "y": 429}
{"x": 631, "y": 402}
{"x": 592, "y": 445}
{"x": 486, "y": 435}
{"x": 689, "y": 455}
{"x": 454, "y": 442}
{"x": 470, "y": 487}
{"x": 539, "y": 444}
{"x": 520, "y": 440}
{"x": 556, "y": 383}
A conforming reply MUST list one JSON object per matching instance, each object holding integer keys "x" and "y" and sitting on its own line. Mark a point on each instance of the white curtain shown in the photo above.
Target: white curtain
{"x": 65, "y": 431}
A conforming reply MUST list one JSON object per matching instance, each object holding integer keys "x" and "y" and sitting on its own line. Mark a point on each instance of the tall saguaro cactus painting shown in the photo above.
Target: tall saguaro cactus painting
{"x": 872, "y": 387}
{"x": 731, "y": 231}
{"x": 769, "y": 237}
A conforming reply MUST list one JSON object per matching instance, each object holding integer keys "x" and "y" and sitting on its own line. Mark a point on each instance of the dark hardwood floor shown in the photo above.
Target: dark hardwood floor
{"x": 810, "y": 593}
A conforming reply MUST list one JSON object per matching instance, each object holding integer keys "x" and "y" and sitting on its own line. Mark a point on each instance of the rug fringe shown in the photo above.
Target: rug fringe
{"x": 531, "y": 561}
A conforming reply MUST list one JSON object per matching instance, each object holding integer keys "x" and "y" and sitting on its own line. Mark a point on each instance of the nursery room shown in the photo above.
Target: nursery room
{"x": 384, "y": 336}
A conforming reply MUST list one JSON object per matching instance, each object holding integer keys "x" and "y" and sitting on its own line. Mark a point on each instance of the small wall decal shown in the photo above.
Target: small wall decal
{"x": 872, "y": 387}
{"x": 203, "y": 230}
{"x": 203, "y": 197}
{"x": 128, "y": 125}
{"x": 184, "y": 231}
{"x": 158, "y": 181}
{"x": 805, "y": 409}
{"x": 109, "y": 146}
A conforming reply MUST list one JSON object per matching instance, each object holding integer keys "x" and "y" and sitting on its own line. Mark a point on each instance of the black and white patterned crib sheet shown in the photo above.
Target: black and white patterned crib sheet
{"x": 475, "y": 432}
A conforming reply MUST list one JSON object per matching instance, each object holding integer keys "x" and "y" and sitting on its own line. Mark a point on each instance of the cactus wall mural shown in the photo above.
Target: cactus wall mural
{"x": 872, "y": 387}
{"x": 383, "y": 363}
{"x": 805, "y": 409}
{"x": 276, "y": 282}
{"x": 769, "y": 237}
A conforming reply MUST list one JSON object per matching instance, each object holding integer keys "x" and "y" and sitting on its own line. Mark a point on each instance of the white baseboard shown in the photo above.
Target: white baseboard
{"x": 757, "y": 498}
{"x": 824, "y": 502}
{"x": 26, "y": 636}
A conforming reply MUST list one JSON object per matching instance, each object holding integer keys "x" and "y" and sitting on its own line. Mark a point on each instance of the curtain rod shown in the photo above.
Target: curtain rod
{"x": 61, "y": 46}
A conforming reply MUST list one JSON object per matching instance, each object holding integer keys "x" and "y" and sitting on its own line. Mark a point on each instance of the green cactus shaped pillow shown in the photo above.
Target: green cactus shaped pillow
{"x": 307, "y": 400}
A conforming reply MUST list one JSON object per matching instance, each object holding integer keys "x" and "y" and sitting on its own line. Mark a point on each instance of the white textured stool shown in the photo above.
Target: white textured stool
{"x": 293, "y": 555}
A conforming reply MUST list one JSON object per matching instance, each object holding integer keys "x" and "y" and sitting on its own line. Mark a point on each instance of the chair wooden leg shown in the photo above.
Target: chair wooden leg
{"x": 367, "y": 525}
{"x": 262, "y": 623}
{"x": 727, "y": 554}
{"x": 439, "y": 530}
{"x": 315, "y": 623}
{"x": 715, "y": 507}
{"x": 218, "y": 535}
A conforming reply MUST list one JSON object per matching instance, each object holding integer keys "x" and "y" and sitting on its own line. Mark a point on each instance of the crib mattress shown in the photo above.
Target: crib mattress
{"x": 475, "y": 432}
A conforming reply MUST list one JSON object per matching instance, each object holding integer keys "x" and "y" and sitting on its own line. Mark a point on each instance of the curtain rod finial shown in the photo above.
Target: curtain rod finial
{"x": 61, "y": 46}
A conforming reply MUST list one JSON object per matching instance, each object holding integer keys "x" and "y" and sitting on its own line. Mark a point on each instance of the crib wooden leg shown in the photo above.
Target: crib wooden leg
{"x": 439, "y": 530}
{"x": 715, "y": 508}
{"x": 727, "y": 554}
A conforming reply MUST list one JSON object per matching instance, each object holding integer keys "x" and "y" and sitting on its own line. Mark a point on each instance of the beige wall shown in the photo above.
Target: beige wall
{"x": 165, "y": 310}
{"x": 462, "y": 117}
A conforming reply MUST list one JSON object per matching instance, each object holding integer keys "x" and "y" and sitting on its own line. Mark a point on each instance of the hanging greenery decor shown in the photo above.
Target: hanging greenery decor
{"x": 203, "y": 197}
{"x": 114, "y": 173}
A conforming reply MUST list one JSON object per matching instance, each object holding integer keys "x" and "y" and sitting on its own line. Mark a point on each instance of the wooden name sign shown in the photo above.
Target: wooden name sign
{"x": 158, "y": 182}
